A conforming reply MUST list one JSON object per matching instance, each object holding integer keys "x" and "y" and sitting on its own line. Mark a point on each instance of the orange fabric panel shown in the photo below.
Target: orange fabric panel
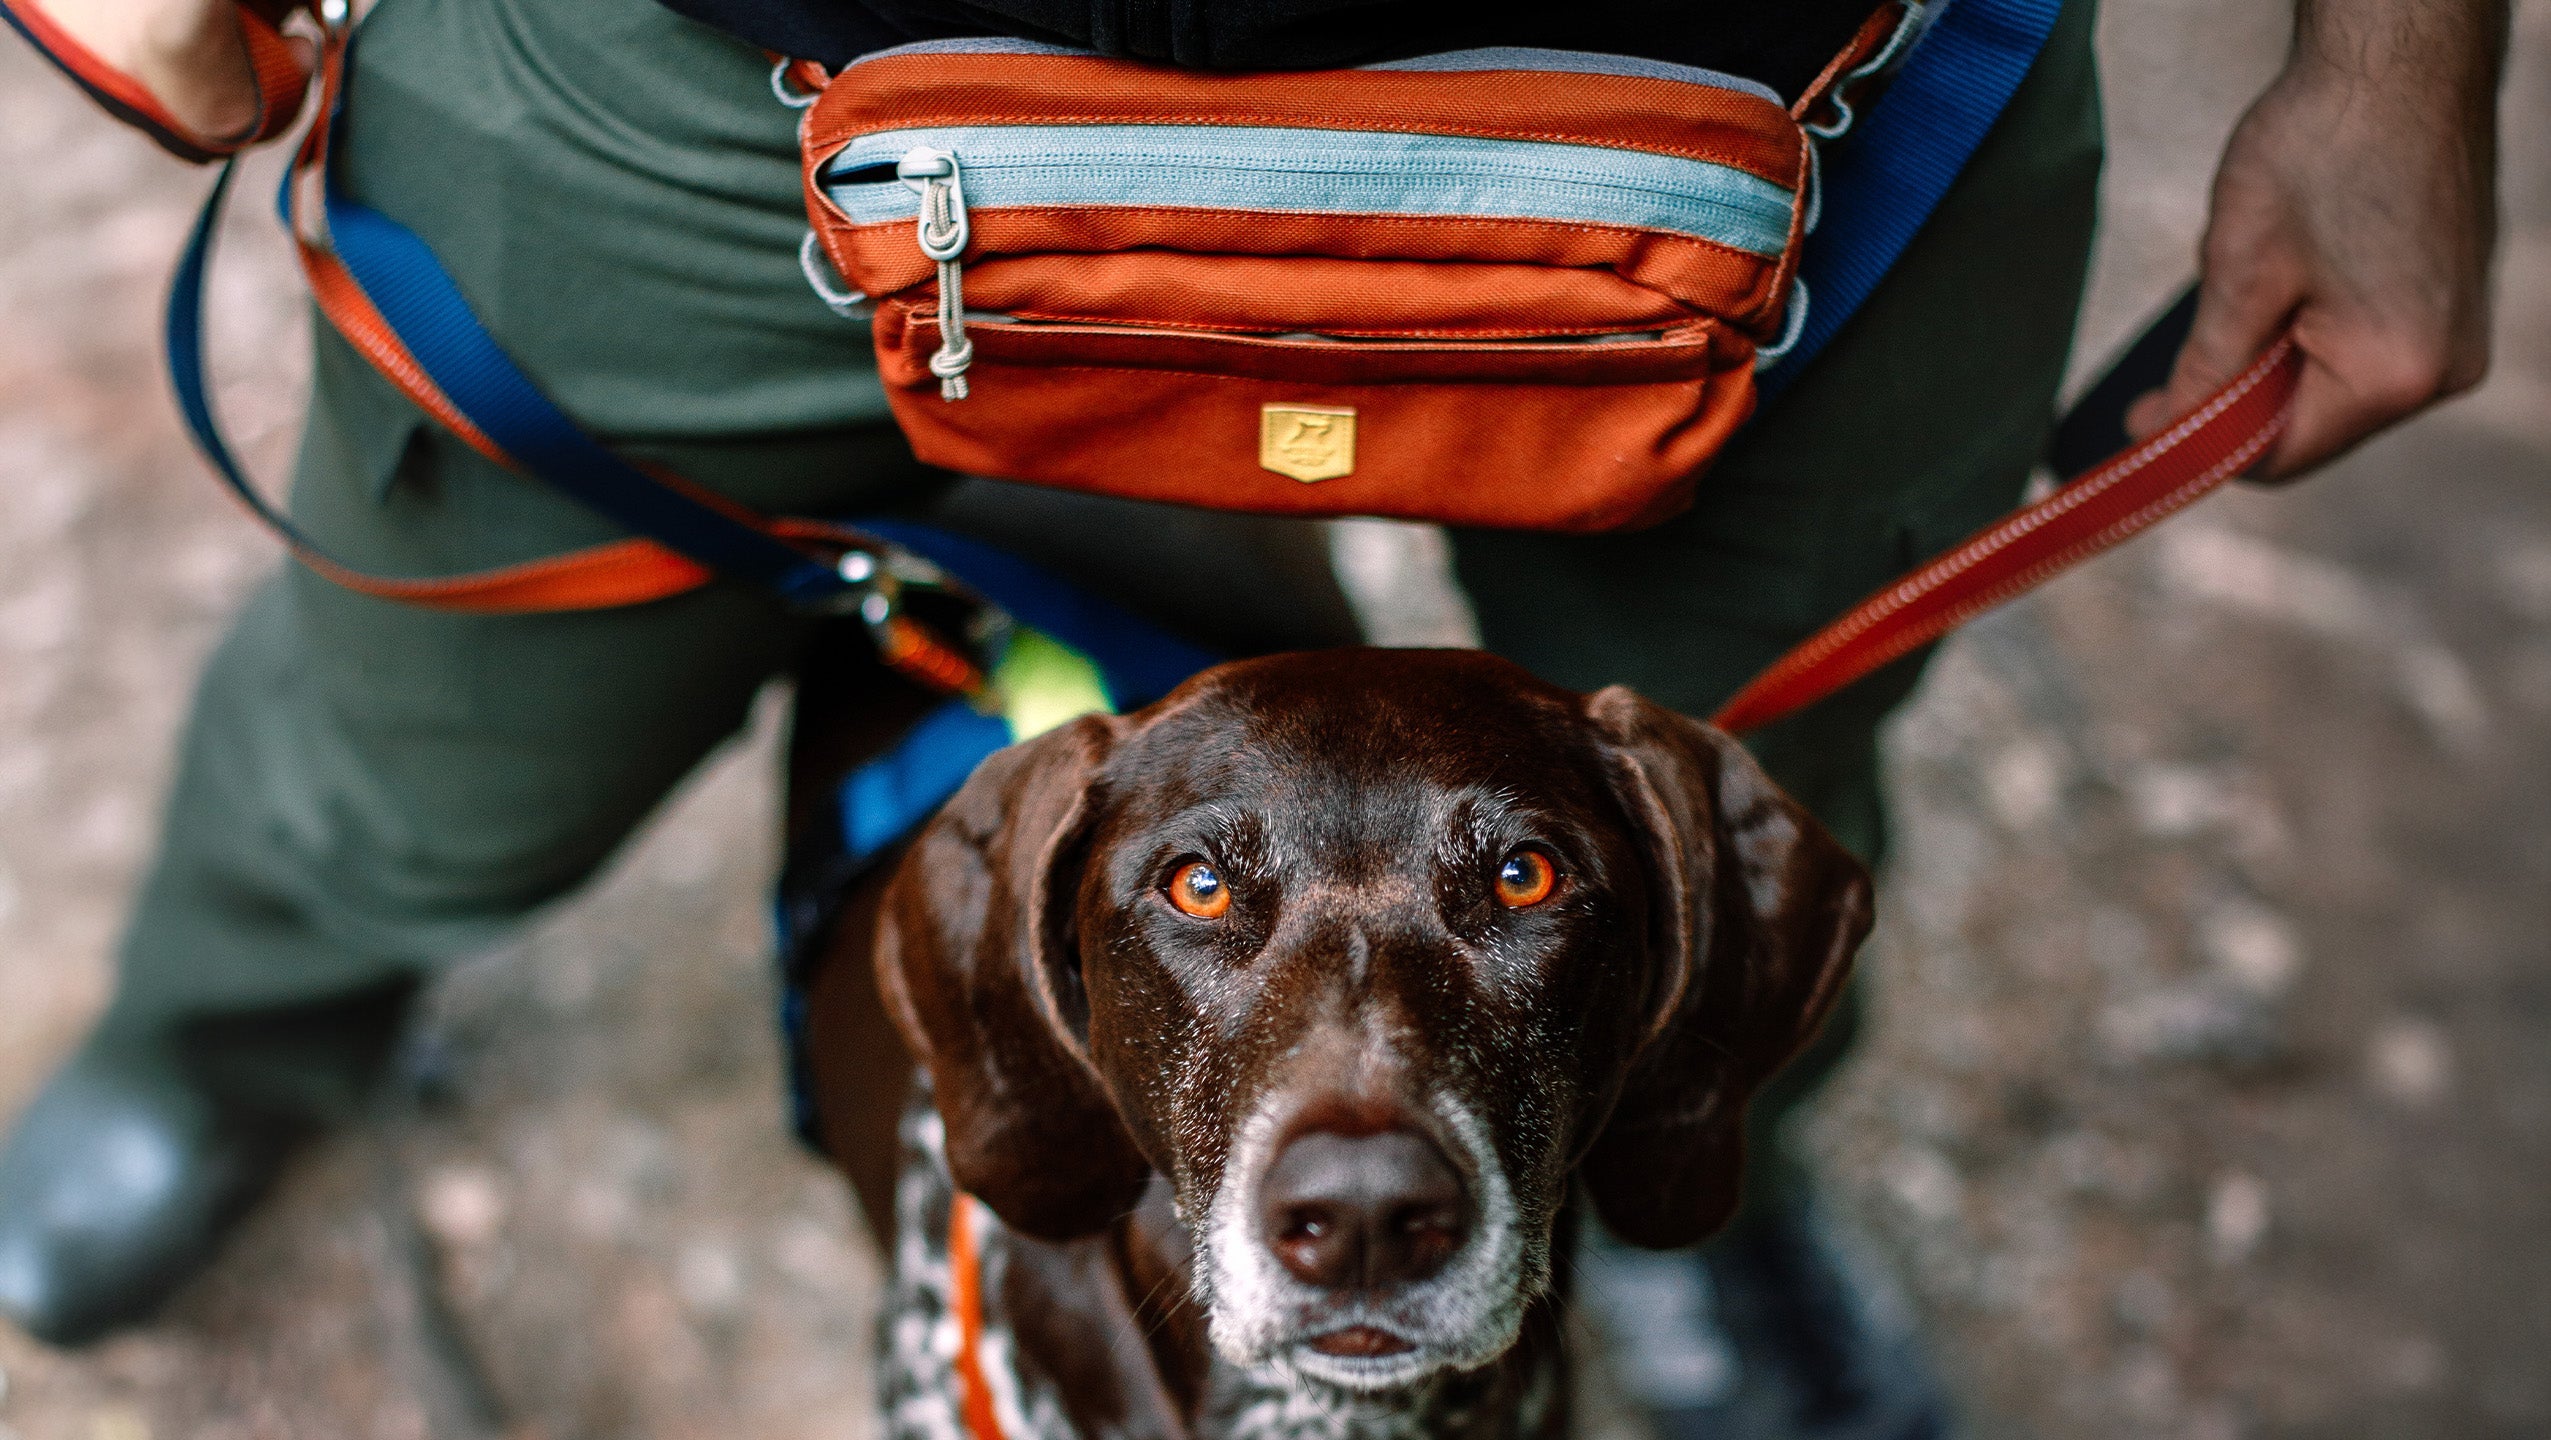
{"x": 1140, "y": 344}
{"x": 1516, "y": 452}
{"x": 1666, "y": 117}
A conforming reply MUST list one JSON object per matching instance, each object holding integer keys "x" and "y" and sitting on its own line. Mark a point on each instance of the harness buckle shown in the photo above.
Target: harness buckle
{"x": 927, "y": 625}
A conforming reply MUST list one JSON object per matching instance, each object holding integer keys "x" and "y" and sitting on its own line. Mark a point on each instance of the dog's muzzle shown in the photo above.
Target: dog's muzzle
{"x": 1369, "y": 1261}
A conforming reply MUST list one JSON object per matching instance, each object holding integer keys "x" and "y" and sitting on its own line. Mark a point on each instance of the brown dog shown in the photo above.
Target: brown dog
{"x": 1277, "y": 1024}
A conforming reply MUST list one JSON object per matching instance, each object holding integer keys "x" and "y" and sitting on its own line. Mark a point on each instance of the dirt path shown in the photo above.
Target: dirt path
{"x": 2211, "y": 1092}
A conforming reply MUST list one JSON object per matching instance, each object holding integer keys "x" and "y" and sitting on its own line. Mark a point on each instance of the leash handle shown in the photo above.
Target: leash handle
{"x": 621, "y": 573}
{"x": 2117, "y": 499}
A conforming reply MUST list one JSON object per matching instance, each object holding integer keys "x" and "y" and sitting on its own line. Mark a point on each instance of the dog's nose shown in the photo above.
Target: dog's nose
{"x": 1364, "y": 1211}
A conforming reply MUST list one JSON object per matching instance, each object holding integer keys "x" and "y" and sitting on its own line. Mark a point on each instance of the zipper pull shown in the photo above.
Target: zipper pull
{"x": 941, "y": 228}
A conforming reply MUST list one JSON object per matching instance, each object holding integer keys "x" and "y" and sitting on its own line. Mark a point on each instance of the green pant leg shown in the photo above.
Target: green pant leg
{"x": 1916, "y": 427}
{"x": 367, "y": 791}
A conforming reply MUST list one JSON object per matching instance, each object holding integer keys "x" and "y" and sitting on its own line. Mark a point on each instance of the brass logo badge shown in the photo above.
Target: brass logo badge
{"x": 1307, "y": 442}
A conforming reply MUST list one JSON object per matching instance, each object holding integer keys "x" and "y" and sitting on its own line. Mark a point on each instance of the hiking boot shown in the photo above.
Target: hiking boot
{"x": 117, "y": 1187}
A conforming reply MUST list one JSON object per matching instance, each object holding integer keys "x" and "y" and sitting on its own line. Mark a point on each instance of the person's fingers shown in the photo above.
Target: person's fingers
{"x": 2360, "y": 377}
{"x": 2237, "y": 319}
{"x": 2147, "y": 413}
{"x": 2247, "y": 290}
{"x": 2244, "y": 301}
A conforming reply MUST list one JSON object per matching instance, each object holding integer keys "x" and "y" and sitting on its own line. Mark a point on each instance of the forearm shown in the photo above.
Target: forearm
{"x": 2444, "y": 57}
{"x": 2453, "y": 47}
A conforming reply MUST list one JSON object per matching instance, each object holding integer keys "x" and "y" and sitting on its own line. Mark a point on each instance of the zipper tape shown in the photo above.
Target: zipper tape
{"x": 1217, "y": 167}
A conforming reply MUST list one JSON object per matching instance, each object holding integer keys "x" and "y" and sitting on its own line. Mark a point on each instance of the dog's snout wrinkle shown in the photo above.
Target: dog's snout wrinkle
{"x": 1367, "y": 1212}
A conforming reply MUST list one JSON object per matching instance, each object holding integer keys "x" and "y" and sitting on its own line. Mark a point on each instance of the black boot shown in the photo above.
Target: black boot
{"x": 116, "y": 1188}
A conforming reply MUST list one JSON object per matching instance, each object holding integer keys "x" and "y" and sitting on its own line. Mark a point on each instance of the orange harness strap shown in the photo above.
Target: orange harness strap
{"x": 965, "y": 1287}
{"x": 281, "y": 81}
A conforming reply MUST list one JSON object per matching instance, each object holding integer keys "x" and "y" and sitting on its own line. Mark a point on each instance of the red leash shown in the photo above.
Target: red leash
{"x": 2114, "y": 501}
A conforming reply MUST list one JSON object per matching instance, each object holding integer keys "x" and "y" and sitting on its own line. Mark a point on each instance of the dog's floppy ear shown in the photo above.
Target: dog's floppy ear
{"x": 1757, "y": 914}
{"x": 975, "y": 959}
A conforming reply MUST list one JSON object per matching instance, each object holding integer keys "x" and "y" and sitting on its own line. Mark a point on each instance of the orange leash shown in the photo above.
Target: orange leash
{"x": 2112, "y": 502}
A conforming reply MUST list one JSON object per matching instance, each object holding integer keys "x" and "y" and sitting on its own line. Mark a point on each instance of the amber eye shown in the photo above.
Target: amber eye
{"x": 1527, "y": 878}
{"x": 1197, "y": 889}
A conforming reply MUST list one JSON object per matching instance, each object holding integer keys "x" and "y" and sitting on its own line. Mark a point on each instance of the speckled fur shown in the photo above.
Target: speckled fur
{"x": 918, "y": 1387}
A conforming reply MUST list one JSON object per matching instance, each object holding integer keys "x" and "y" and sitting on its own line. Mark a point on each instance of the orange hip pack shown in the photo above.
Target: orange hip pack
{"x": 1511, "y": 287}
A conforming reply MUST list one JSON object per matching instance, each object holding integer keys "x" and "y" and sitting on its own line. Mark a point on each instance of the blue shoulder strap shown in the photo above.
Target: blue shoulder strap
{"x": 423, "y": 308}
{"x": 1883, "y": 180}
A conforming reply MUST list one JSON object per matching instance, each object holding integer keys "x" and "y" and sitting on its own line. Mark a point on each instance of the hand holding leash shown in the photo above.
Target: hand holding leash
{"x": 2356, "y": 207}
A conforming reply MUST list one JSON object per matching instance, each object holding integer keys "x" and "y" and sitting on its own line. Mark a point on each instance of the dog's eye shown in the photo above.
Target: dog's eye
{"x": 1526, "y": 878}
{"x": 1197, "y": 889}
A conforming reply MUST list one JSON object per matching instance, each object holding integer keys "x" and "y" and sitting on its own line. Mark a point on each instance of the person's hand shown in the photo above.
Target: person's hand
{"x": 2356, "y": 203}
{"x": 188, "y": 53}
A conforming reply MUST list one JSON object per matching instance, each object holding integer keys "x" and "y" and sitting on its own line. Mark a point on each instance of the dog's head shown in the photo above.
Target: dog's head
{"x": 1369, "y": 953}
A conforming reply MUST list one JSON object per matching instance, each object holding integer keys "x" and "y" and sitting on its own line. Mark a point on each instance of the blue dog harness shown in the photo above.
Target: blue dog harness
{"x": 1068, "y": 654}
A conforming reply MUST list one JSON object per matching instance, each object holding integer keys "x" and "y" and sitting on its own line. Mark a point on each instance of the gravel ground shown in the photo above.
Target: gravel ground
{"x": 2210, "y": 1092}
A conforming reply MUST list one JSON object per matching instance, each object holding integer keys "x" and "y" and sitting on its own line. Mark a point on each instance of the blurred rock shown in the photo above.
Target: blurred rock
{"x": 461, "y": 1205}
{"x": 2410, "y": 1062}
{"x": 2253, "y": 946}
{"x": 2236, "y": 1217}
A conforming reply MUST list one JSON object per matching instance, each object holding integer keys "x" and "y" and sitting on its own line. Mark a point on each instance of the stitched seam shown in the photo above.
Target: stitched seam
{"x": 1209, "y": 329}
{"x": 921, "y": 317}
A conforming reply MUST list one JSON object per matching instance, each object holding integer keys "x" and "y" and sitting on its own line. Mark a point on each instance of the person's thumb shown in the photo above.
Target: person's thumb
{"x": 2242, "y": 306}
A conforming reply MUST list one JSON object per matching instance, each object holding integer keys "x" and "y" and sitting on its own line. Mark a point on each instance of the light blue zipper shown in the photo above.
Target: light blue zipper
{"x": 1320, "y": 172}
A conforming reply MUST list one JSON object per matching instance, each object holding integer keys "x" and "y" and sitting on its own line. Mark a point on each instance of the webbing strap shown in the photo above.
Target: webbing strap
{"x": 2123, "y": 496}
{"x": 965, "y": 1297}
{"x": 1881, "y": 185}
{"x": 281, "y": 82}
{"x": 387, "y": 293}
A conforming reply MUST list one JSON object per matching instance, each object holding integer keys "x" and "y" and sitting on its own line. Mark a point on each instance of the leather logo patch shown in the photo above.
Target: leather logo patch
{"x": 1307, "y": 442}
